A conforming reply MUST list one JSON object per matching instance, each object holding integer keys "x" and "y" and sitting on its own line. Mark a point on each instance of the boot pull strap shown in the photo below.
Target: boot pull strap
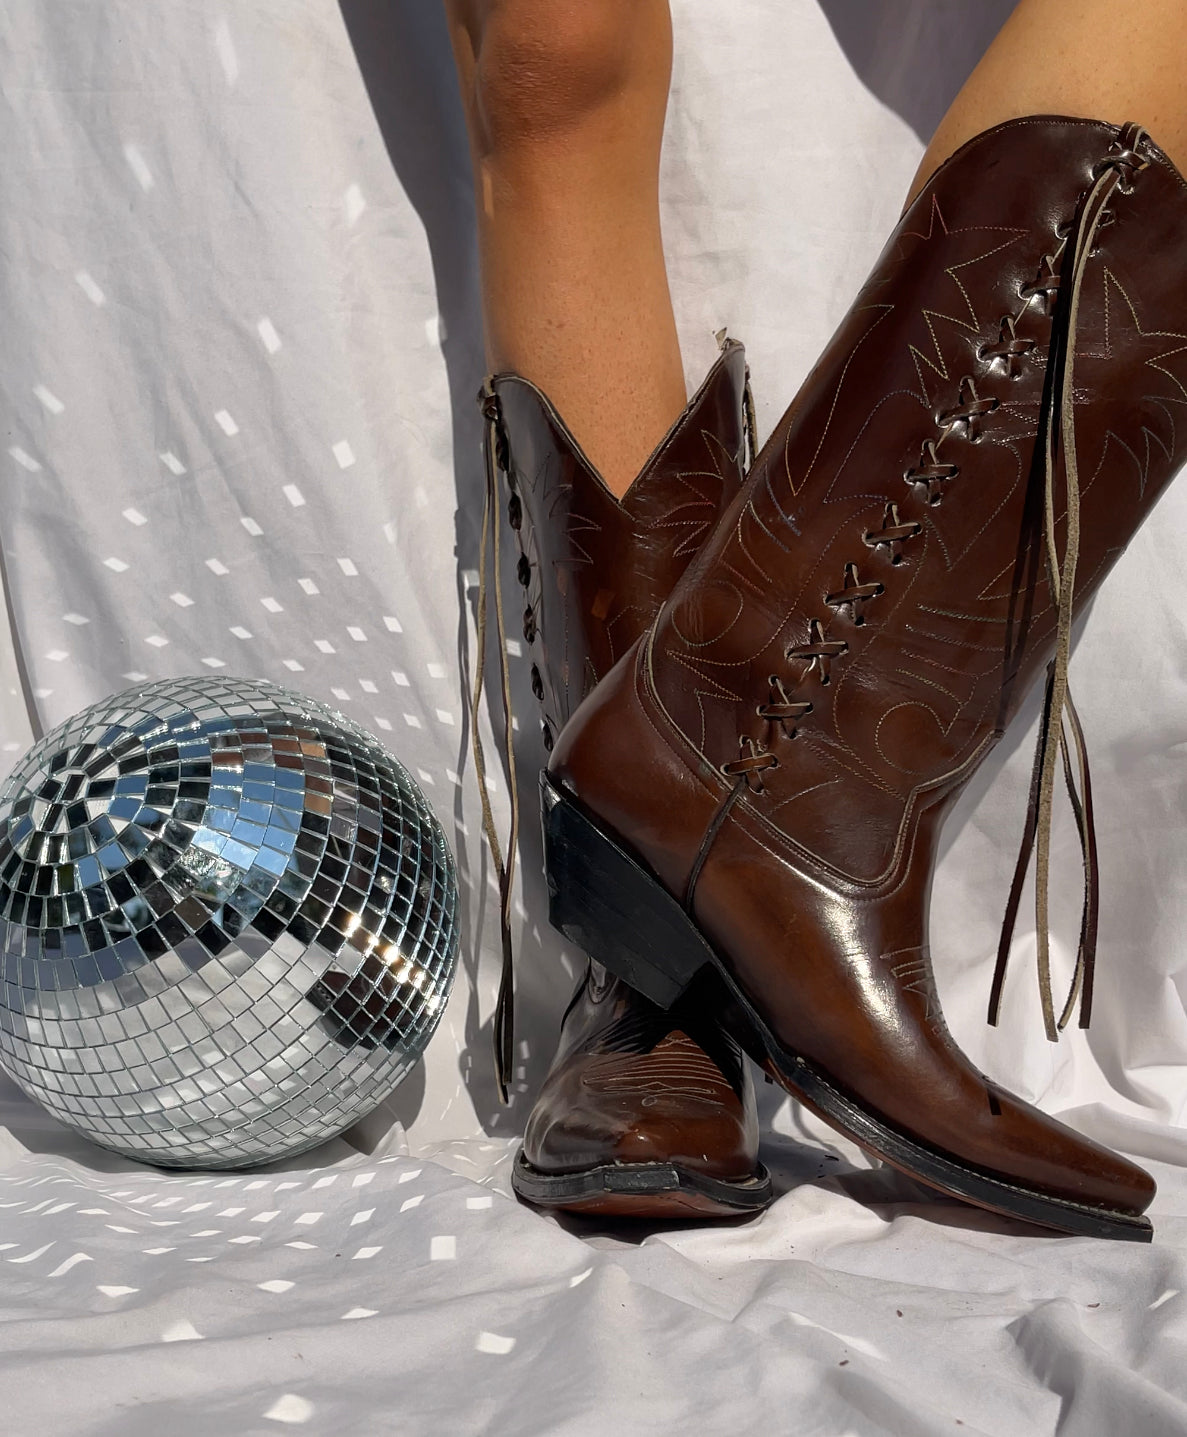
{"x": 751, "y": 422}
{"x": 495, "y": 458}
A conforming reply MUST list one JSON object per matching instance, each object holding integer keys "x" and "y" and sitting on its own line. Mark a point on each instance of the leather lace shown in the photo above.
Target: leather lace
{"x": 496, "y": 459}
{"x": 1058, "y": 285}
{"x": 1113, "y": 175}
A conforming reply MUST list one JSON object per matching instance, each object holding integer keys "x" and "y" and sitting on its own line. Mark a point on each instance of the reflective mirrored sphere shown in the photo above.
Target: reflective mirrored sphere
{"x": 228, "y": 923}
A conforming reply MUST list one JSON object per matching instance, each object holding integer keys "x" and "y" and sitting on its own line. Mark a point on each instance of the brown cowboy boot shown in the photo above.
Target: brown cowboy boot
{"x": 644, "y": 1112}
{"x": 758, "y": 790}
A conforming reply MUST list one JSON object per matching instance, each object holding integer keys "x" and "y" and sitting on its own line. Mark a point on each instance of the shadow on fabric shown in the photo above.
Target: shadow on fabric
{"x": 914, "y": 55}
{"x": 406, "y": 62}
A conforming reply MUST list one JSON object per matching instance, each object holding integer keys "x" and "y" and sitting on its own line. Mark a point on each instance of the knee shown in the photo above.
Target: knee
{"x": 543, "y": 67}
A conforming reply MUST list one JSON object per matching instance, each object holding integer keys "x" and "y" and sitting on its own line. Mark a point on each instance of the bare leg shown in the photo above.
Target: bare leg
{"x": 1091, "y": 58}
{"x": 565, "y": 103}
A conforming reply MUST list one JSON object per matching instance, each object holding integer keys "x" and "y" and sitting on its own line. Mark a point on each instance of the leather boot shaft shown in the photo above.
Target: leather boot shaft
{"x": 595, "y": 569}
{"x": 888, "y": 566}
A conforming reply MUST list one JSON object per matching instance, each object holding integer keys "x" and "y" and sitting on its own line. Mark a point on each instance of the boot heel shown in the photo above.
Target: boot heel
{"x": 608, "y": 904}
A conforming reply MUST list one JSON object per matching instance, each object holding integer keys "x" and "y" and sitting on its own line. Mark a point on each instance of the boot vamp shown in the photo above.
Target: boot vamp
{"x": 848, "y": 986}
{"x": 630, "y": 1085}
{"x": 841, "y": 974}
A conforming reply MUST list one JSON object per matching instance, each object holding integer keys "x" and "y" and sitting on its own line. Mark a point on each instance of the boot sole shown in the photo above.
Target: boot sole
{"x": 642, "y": 1190}
{"x": 608, "y": 903}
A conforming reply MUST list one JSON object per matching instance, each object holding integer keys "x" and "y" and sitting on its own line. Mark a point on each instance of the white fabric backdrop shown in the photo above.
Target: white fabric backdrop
{"x": 237, "y": 372}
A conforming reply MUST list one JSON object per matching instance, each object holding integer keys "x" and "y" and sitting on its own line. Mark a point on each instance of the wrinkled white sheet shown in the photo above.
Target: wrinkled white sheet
{"x": 239, "y": 351}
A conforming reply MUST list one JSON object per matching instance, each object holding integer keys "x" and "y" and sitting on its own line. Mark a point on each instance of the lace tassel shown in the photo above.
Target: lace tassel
{"x": 1059, "y": 432}
{"x": 494, "y": 460}
{"x": 1079, "y": 790}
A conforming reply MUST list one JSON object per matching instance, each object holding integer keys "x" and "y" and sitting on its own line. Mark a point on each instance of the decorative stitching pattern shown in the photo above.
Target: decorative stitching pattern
{"x": 983, "y": 417}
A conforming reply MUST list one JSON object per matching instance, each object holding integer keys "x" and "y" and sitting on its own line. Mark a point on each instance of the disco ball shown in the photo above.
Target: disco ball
{"x": 227, "y": 923}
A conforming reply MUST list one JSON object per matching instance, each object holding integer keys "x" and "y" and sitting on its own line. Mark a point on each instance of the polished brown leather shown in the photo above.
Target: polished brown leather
{"x": 630, "y": 1084}
{"x": 596, "y": 568}
{"x": 915, "y": 577}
